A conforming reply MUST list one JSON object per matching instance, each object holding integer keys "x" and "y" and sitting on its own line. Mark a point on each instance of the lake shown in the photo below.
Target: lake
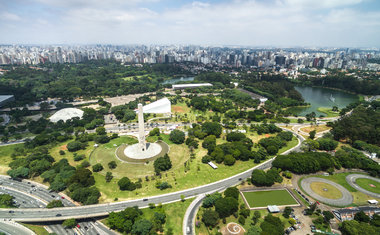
{"x": 322, "y": 97}
{"x": 177, "y": 80}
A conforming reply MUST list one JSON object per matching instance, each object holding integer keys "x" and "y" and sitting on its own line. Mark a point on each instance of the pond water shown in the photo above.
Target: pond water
{"x": 322, "y": 97}
{"x": 177, "y": 80}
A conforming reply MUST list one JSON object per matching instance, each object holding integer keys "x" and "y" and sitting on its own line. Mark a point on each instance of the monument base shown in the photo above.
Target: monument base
{"x": 135, "y": 152}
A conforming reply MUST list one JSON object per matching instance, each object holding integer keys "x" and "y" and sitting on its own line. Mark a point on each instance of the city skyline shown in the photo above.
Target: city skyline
{"x": 281, "y": 23}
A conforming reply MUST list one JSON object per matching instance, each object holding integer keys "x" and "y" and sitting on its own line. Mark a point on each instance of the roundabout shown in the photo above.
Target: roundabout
{"x": 351, "y": 179}
{"x": 326, "y": 191}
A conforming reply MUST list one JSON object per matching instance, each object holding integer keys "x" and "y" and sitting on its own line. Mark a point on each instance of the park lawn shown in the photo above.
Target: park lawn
{"x": 289, "y": 145}
{"x": 174, "y": 214}
{"x": 180, "y": 177}
{"x": 38, "y": 229}
{"x": 365, "y": 184}
{"x": 331, "y": 193}
{"x": 272, "y": 197}
{"x": 5, "y": 156}
{"x": 164, "y": 137}
{"x": 180, "y": 108}
{"x": 328, "y": 112}
{"x": 130, "y": 78}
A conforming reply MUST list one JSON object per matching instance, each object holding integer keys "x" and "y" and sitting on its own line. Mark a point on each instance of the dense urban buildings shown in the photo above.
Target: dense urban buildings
{"x": 263, "y": 58}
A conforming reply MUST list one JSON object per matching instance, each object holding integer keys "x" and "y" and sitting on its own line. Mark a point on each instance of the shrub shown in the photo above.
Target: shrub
{"x": 112, "y": 165}
{"x": 97, "y": 167}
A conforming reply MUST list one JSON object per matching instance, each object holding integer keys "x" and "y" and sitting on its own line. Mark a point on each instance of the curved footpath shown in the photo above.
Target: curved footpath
{"x": 37, "y": 215}
{"x": 351, "y": 179}
{"x": 345, "y": 200}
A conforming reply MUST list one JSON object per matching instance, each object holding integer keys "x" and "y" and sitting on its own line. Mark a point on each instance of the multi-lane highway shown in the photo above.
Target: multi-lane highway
{"x": 32, "y": 195}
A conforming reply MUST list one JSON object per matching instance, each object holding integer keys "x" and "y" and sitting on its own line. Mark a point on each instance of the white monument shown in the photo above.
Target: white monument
{"x": 143, "y": 150}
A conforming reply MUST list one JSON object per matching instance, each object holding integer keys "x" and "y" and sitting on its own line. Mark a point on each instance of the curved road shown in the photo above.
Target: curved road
{"x": 346, "y": 198}
{"x": 351, "y": 179}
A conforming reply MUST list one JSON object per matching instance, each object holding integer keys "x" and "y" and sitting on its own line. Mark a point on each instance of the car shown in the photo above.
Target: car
{"x": 58, "y": 215}
{"x": 85, "y": 227}
{"x": 63, "y": 197}
{"x": 52, "y": 196}
{"x": 240, "y": 178}
{"x": 28, "y": 183}
{"x": 11, "y": 212}
{"x": 145, "y": 199}
{"x": 78, "y": 226}
{"x": 318, "y": 202}
{"x": 33, "y": 186}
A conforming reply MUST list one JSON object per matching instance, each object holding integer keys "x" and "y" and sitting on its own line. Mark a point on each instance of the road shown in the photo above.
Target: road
{"x": 9, "y": 227}
{"x": 33, "y": 195}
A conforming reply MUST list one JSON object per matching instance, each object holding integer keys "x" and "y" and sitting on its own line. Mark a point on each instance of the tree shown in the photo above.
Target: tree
{"x": 112, "y": 165}
{"x": 253, "y": 230}
{"x": 361, "y": 217}
{"x": 6, "y": 201}
{"x": 162, "y": 164}
{"x": 327, "y": 144}
{"x": 229, "y": 160}
{"x": 210, "y": 200}
{"x": 287, "y": 212}
{"x": 177, "y": 136}
{"x": 210, "y": 218}
{"x": 312, "y": 134}
{"x": 272, "y": 225}
{"x": 209, "y": 143}
{"x": 20, "y": 172}
{"x": 74, "y": 146}
{"x": 155, "y": 132}
{"x": 101, "y": 131}
{"x": 142, "y": 227}
{"x": 97, "y": 167}
{"x": 232, "y": 192}
{"x": 212, "y": 128}
{"x": 226, "y": 206}
{"x": 310, "y": 145}
{"x": 69, "y": 223}
{"x": 126, "y": 184}
{"x": 55, "y": 203}
{"x": 109, "y": 177}
{"x": 328, "y": 216}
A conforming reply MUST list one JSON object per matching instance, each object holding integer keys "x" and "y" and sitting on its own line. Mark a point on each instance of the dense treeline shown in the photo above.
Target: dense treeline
{"x": 87, "y": 79}
{"x": 132, "y": 221}
{"x": 348, "y": 83}
{"x": 311, "y": 162}
{"x": 363, "y": 124}
{"x": 274, "y": 87}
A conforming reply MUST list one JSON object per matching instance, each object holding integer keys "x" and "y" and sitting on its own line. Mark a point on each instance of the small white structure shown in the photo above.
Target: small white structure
{"x": 273, "y": 209}
{"x": 213, "y": 165}
{"x": 193, "y": 85}
{"x": 372, "y": 202}
{"x": 66, "y": 114}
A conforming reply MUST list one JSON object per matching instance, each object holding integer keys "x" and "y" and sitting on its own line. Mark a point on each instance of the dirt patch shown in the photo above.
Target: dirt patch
{"x": 318, "y": 129}
{"x": 63, "y": 147}
{"x": 178, "y": 109}
{"x": 233, "y": 229}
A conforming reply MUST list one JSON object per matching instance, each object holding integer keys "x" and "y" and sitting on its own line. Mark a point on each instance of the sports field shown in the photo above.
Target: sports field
{"x": 273, "y": 197}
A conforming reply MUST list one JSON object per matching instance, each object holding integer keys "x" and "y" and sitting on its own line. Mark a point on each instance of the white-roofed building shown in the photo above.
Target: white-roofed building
{"x": 66, "y": 114}
{"x": 159, "y": 106}
{"x": 273, "y": 209}
{"x": 193, "y": 85}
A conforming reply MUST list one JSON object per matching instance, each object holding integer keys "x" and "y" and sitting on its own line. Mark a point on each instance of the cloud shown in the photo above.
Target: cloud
{"x": 259, "y": 23}
{"x": 9, "y": 16}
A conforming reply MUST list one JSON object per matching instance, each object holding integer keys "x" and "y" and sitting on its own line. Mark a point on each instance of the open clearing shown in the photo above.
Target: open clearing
{"x": 279, "y": 197}
{"x": 370, "y": 185}
{"x": 318, "y": 129}
{"x": 326, "y": 190}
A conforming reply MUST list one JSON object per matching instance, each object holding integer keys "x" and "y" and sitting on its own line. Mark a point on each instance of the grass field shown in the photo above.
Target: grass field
{"x": 272, "y": 197}
{"x": 38, "y": 229}
{"x": 175, "y": 222}
{"x": 328, "y": 112}
{"x": 318, "y": 128}
{"x": 325, "y": 190}
{"x": 366, "y": 184}
{"x": 5, "y": 157}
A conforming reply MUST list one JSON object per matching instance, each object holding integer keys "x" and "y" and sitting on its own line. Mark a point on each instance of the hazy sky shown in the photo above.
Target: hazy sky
{"x": 339, "y": 23}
